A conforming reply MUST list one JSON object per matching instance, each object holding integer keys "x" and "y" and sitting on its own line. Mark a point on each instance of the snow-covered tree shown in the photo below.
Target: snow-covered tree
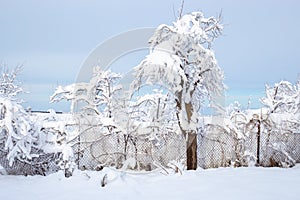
{"x": 284, "y": 97}
{"x": 94, "y": 104}
{"x": 95, "y": 96}
{"x": 98, "y": 96}
{"x": 106, "y": 86}
{"x": 180, "y": 58}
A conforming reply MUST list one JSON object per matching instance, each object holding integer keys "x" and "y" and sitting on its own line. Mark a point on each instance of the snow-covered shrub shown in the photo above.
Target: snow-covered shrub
{"x": 2, "y": 171}
{"x": 18, "y": 141}
{"x": 152, "y": 121}
{"x": 237, "y": 125}
{"x": 24, "y": 139}
{"x": 283, "y": 120}
{"x": 57, "y": 134}
{"x": 155, "y": 116}
{"x": 17, "y": 130}
{"x": 9, "y": 86}
{"x": 231, "y": 140}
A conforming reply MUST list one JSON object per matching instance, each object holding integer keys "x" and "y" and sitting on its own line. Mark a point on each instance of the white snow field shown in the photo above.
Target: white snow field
{"x": 222, "y": 183}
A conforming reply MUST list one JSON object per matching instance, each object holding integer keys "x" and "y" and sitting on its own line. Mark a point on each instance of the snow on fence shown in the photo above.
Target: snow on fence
{"x": 96, "y": 148}
{"x": 217, "y": 147}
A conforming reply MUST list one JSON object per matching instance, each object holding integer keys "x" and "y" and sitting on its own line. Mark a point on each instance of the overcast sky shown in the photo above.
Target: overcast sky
{"x": 52, "y": 39}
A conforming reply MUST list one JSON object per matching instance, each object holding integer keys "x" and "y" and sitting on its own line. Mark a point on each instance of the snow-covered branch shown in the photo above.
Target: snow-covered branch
{"x": 96, "y": 95}
{"x": 9, "y": 86}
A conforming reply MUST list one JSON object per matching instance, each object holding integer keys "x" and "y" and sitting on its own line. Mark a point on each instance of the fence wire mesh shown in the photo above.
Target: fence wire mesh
{"x": 217, "y": 147}
{"x": 95, "y": 149}
{"x": 42, "y": 165}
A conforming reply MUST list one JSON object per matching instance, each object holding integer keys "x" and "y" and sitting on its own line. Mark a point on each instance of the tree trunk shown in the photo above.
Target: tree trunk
{"x": 191, "y": 136}
{"x": 191, "y": 141}
{"x": 191, "y": 151}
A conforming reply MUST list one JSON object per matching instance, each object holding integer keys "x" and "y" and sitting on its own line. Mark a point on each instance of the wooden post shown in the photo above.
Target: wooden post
{"x": 258, "y": 145}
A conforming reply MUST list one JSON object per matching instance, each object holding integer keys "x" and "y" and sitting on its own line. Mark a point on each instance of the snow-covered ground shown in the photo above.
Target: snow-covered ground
{"x": 223, "y": 183}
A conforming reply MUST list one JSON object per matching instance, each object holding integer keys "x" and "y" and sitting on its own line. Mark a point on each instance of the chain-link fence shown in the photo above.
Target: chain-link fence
{"x": 217, "y": 147}
{"x": 279, "y": 149}
{"x": 261, "y": 145}
{"x": 97, "y": 147}
{"x": 43, "y": 165}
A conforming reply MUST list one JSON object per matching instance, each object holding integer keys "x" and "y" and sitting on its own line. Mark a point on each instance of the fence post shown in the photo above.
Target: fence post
{"x": 78, "y": 152}
{"x": 258, "y": 144}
